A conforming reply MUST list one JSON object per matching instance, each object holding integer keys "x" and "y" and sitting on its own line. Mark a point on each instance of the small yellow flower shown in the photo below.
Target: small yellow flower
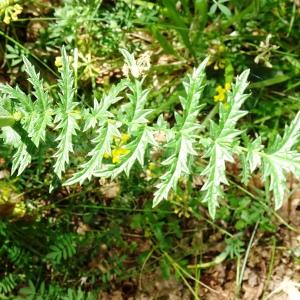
{"x": 221, "y": 92}
{"x": 14, "y": 16}
{"x": 118, "y": 148}
{"x": 18, "y": 9}
{"x": 124, "y": 138}
{"x": 6, "y": 19}
{"x": 183, "y": 211}
{"x": 106, "y": 155}
{"x": 117, "y": 153}
{"x": 58, "y": 61}
{"x": 10, "y": 12}
{"x": 219, "y": 64}
{"x": 19, "y": 209}
{"x": 227, "y": 86}
{"x": 220, "y": 89}
{"x": 219, "y": 98}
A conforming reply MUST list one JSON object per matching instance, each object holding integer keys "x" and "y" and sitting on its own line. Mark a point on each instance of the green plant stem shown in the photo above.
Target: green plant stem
{"x": 186, "y": 273}
{"x": 218, "y": 227}
{"x": 211, "y": 114}
{"x": 143, "y": 266}
{"x": 237, "y": 275}
{"x": 218, "y": 259}
{"x": 292, "y": 19}
{"x": 241, "y": 274}
{"x": 271, "y": 266}
{"x": 178, "y": 270}
{"x": 197, "y": 276}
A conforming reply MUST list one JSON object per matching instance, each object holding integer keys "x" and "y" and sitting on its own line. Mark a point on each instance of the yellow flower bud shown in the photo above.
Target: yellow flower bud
{"x": 221, "y": 92}
{"x": 58, "y": 61}
{"x": 6, "y": 19}
{"x": 117, "y": 153}
{"x": 227, "y": 86}
{"x": 220, "y": 89}
{"x": 19, "y": 209}
{"x": 18, "y": 8}
{"x": 106, "y": 155}
{"x": 124, "y": 138}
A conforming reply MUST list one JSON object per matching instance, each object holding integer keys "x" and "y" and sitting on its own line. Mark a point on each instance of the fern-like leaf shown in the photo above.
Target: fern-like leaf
{"x": 24, "y": 101}
{"x": 41, "y": 115}
{"x": 185, "y": 137}
{"x": 24, "y": 105}
{"x": 63, "y": 249}
{"x": 280, "y": 159}
{"x": 100, "y": 112}
{"x": 177, "y": 164}
{"x": 21, "y": 158}
{"x": 66, "y": 117}
{"x": 102, "y": 146}
{"x": 135, "y": 118}
{"x": 108, "y": 128}
{"x": 7, "y": 283}
{"x": 252, "y": 159}
{"x": 221, "y": 144}
{"x": 136, "y": 114}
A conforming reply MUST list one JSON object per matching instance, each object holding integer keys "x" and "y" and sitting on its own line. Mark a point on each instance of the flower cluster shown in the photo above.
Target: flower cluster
{"x": 216, "y": 53}
{"x": 221, "y": 92}
{"x": 182, "y": 208}
{"x": 19, "y": 210}
{"x": 118, "y": 149}
{"x": 265, "y": 50}
{"x": 10, "y": 11}
{"x": 136, "y": 67}
{"x": 10, "y": 202}
{"x": 58, "y": 61}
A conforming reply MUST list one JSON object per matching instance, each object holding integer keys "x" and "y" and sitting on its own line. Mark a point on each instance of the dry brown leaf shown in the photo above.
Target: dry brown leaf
{"x": 110, "y": 190}
{"x": 287, "y": 287}
{"x": 83, "y": 228}
{"x": 4, "y": 174}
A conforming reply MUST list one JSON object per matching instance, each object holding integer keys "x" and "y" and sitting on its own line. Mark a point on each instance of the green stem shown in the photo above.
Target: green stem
{"x": 211, "y": 114}
{"x": 271, "y": 265}
{"x": 218, "y": 259}
{"x": 186, "y": 273}
{"x": 241, "y": 274}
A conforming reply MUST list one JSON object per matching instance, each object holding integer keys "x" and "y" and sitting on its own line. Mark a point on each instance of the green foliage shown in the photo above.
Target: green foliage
{"x": 65, "y": 117}
{"x": 243, "y": 213}
{"x": 31, "y": 292}
{"x": 220, "y": 144}
{"x": 281, "y": 158}
{"x": 182, "y": 144}
{"x": 235, "y": 247}
{"x": 14, "y": 57}
{"x": 111, "y": 149}
{"x": 64, "y": 249}
{"x": 7, "y": 283}
{"x": 223, "y": 144}
{"x": 219, "y": 4}
{"x": 75, "y": 26}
